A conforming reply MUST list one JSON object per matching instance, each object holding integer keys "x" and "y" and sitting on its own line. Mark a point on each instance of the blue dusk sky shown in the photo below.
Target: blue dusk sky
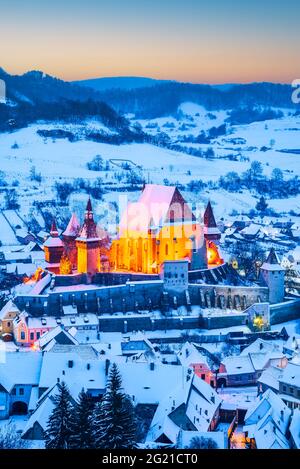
{"x": 214, "y": 41}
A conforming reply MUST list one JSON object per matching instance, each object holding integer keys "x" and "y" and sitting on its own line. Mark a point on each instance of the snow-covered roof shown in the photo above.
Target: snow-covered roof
{"x": 291, "y": 375}
{"x": 20, "y": 268}
{"x": 9, "y": 307}
{"x": 53, "y": 242}
{"x": 112, "y": 348}
{"x": 268, "y": 437}
{"x": 40, "y": 415}
{"x": 151, "y": 209}
{"x": 147, "y": 385}
{"x": 41, "y": 284}
{"x": 238, "y": 364}
{"x": 16, "y": 256}
{"x": 72, "y": 368}
{"x": 292, "y": 344}
{"x": 272, "y": 262}
{"x": 73, "y": 227}
{"x": 295, "y": 427}
{"x": 251, "y": 230}
{"x": 260, "y": 360}
{"x": 50, "y": 335}
{"x": 190, "y": 355}
{"x": 30, "y": 246}
{"x": 268, "y": 406}
{"x": 198, "y": 400}
{"x": 270, "y": 376}
{"x": 77, "y": 320}
{"x": 133, "y": 346}
{"x": 22, "y": 233}
{"x": 260, "y": 345}
{"x": 20, "y": 368}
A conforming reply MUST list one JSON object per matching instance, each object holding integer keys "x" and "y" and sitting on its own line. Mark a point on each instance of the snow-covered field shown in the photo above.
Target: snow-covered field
{"x": 59, "y": 159}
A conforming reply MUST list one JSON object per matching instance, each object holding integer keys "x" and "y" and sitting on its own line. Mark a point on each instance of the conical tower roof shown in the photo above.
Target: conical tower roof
{"x": 89, "y": 207}
{"x": 272, "y": 262}
{"x": 73, "y": 227}
{"x": 54, "y": 240}
{"x": 272, "y": 257}
{"x": 89, "y": 228}
{"x": 209, "y": 218}
{"x": 211, "y": 230}
{"x": 53, "y": 230}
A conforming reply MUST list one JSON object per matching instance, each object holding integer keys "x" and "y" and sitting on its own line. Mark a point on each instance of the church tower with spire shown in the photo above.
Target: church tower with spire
{"x": 69, "y": 237}
{"x": 53, "y": 248}
{"x": 212, "y": 236}
{"x": 88, "y": 244}
{"x": 211, "y": 230}
{"x": 272, "y": 275}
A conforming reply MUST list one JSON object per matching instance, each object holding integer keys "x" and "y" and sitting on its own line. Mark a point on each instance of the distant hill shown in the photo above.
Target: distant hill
{"x": 36, "y": 96}
{"x": 122, "y": 83}
{"x": 35, "y": 87}
{"x": 165, "y": 98}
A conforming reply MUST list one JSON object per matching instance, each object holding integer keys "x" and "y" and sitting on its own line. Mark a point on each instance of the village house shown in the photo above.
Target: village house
{"x": 190, "y": 356}
{"x": 27, "y": 329}
{"x": 295, "y": 429}
{"x": 269, "y": 379}
{"x": 289, "y": 385}
{"x": 191, "y": 406}
{"x": 246, "y": 369}
{"x": 37, "y": 423}
{"x": 58, "y": 335}
{"x": 19, "y": 378}
{"x": 7, "y": 315}
{"x": 267, "y": 422}
{"x": 79, "y": 364}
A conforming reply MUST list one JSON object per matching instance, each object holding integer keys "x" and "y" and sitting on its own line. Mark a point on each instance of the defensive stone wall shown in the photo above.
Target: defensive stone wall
{"x": 222, "y": 296}
{"x": 285, "y": 311}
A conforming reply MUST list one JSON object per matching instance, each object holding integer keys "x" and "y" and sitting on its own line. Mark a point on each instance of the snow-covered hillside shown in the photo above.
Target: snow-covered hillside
{"x": 269, "y": 142}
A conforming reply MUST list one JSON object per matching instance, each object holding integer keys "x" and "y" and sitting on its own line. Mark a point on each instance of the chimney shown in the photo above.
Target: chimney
{"x": 107, "y": 363}
{"x": 152, "y": 366}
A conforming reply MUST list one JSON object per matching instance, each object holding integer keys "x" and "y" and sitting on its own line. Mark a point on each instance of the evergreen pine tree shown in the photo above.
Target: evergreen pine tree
{"x": 261, "y": 205}
{"x": 58, "y": 432}
{"x": 114, "y": 417}
{"x": 81, "y": 423}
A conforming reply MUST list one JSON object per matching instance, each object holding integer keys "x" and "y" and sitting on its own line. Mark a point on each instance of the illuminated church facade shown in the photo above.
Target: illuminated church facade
{"x": 159, "y": 227}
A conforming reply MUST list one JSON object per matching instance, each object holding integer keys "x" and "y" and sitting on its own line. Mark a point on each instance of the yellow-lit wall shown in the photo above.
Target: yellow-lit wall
{"x": 7, "y": 322}
{"x": 88, "y": 257}
{"x": 145, "y": 252}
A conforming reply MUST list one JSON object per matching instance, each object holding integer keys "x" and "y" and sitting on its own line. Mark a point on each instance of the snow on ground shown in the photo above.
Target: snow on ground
{"x": 59, "y": 159}
{"x": 19, "y": 421}
{"x": 7, "y": 236}
{"x": 292, "y": 327}
{"x": 241, "y": 397}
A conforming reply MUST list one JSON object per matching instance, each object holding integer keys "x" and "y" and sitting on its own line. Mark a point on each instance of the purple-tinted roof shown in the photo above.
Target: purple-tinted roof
{"x": 53, "y": 230}
{"x": 73, "y": 227}
{"x": 89, "y": 207}
{"x": 154, "y": 206}
{"x": 209, "y": 219}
